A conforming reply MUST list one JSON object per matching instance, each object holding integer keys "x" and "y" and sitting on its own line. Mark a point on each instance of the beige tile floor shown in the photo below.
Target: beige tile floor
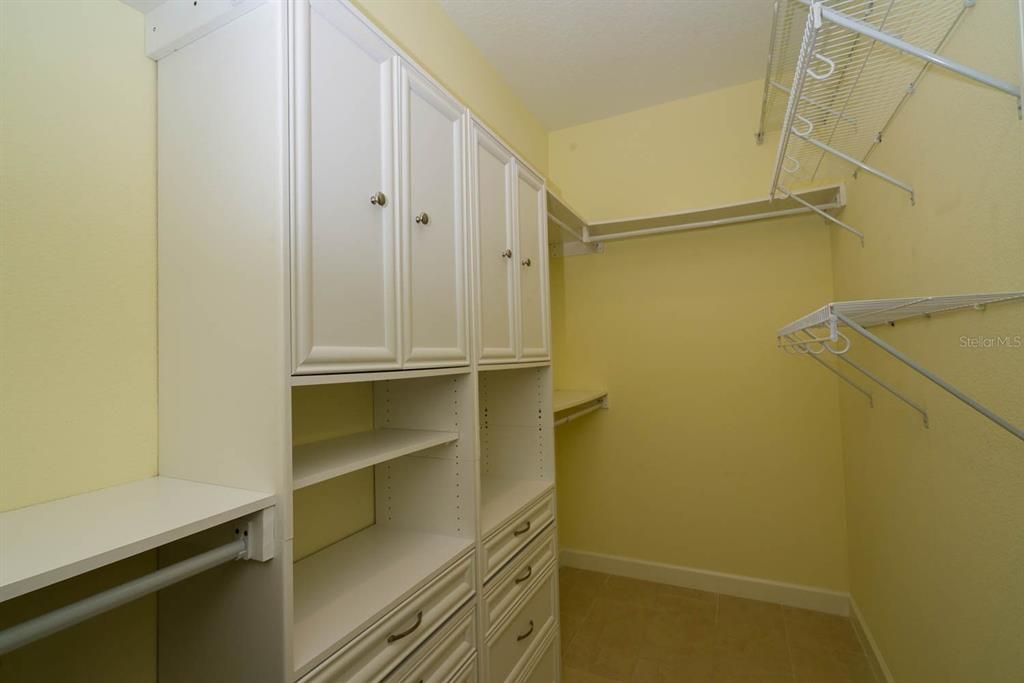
{"x": 627, "y": 631}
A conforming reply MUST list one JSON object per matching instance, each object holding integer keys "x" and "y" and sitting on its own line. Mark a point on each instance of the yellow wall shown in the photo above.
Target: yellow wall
{"x": 719, "y": 452}
{"x": 77, "y": 256}
{"x": 426, "y": 33}
{"x": 77, "y": 300}
{"x": 935, "y": 516}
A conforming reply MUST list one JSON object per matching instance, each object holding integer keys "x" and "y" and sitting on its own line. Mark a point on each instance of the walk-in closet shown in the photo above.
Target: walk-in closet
{"x": 489, "y": 341}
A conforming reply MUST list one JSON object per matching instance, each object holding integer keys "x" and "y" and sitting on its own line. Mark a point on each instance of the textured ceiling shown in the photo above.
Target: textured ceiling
{"x": 573, "y": 61}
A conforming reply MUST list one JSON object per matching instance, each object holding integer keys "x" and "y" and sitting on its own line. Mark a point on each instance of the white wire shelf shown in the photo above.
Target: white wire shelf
{"x": 819, "y": 332}
{"x": 840, "y": 70}
{"x": 570, "y": 228}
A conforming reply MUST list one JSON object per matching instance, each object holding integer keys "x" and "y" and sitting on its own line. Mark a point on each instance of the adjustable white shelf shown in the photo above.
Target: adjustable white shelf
{"x": 579, "y": 402}
{"x": 46, "y": 543}
{"x": 840, "y": 70}
{"x": 501, "y": 498}
{"x": 819, "y": 331}
{"x": 345, "y": 587}
{"x": 321, "y": 460}
{"x": 570, "y": 231}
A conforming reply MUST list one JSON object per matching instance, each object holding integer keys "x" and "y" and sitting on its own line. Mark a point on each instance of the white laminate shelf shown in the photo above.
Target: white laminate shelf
{"x": 502, "y": 498}
{"x": 345, "y": 587}
{"x": 567, "y": 400}
{"x": 46, "y": 543}
{"x": 319, "y": 461}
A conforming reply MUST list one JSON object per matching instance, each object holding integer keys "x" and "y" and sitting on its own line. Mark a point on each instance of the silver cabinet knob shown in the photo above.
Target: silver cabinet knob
{"x": 506, "y": 254}
{"x": 378, "y": 199}
{"x": 422, "y": 218}
{"x": 527, "y": 262}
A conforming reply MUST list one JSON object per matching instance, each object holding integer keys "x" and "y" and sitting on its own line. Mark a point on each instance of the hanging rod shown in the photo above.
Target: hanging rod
{"x": 598, "y": 405}
{"x": 59, "y": 619}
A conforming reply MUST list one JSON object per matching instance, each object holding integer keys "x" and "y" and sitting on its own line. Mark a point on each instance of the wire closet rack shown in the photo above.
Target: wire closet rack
{"x": 840, "y": 70}
{"x": 819, "y": 332}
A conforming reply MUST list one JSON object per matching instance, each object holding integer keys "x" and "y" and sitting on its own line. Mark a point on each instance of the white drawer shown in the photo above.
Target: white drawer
{"x": 443, "y": 656}
{"x": 545, "y": 667}
{"x": 379, "y": 649}
{"x": 512, "y": 536}
{"x": 518, "y": 578}
{"x": 510, "y": 648}
{"x": 468, "y": 673}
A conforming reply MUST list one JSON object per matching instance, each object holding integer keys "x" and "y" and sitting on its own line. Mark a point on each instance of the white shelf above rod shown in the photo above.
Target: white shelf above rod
{"x": 818, "y": 200}
{"x": 579, "y": 402}
{"x": 858, "y": 315}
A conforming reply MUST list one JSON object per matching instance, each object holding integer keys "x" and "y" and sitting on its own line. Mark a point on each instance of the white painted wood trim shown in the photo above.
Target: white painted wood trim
{"x": 869, "y": 645}
{"x": 792, "y": 595}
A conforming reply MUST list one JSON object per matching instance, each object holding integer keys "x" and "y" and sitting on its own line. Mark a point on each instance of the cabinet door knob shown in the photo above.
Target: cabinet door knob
{"x": 422, "y": 218}
{"x": 379, "y": 199}
{"x": 507, "y": 253}
{"x": 527, "y": 262}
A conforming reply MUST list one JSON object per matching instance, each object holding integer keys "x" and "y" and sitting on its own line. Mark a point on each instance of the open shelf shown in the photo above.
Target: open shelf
{"x": 321, "y": 460}
{"x": 818, "y": 334}
{"x": 815, "y": 200}
{"x": 565, "y": 400}
{"x": 501, "y": 498}
{"x": 343, "y": 588}
{"x": 46, "y": 543}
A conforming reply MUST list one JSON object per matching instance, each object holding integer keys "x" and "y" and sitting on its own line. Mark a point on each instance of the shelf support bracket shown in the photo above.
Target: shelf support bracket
{"x": 859, "y": 164}
{"x": 850, "y": 382}
{"x": 931, "y": 376}
{"x": 874, "y": 378}
{"x": 825, "y": 215}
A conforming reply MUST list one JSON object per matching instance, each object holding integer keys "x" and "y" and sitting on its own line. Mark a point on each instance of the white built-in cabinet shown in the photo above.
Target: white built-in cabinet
{"x": 509, "y": 227}
{"x": 323, "y": 204}
{"x": 379, "y": 236}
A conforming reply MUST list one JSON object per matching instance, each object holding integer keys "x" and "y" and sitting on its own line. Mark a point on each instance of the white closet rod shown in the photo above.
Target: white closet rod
{"x": 580, "y": 413}
{"x": 69, "y": 615}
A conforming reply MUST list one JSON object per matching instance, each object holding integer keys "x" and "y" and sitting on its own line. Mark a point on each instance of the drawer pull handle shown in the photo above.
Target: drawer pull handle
{"x": 398, "y": 636}
{"x": 529, "y": 632}
{"x": 423, "y": 218}
{"x": 526, "y": 575}
{"x": 521, "y": 529}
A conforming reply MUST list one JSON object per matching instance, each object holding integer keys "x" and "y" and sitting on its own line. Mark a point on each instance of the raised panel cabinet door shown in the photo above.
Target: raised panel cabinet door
{"x": 491, "y": 178}
{"x": 433, "y": 235}
{"x": 345, "y": 243}
{"x": 531, "y": 231}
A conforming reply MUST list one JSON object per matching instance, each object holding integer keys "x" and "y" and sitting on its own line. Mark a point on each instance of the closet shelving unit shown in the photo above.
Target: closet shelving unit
{"x": 516, "y": 441}
{"x": 572, "y": 235}
{"x": 424, "y": 501}
{"x": 840, "y": 70}
{"x": 572, "y": 405}
{"x": 820, "y": 331}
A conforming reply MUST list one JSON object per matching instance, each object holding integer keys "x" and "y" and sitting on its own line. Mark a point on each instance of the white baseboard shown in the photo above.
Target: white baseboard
{"x": 867, "y": 641}
{"x": 793, "y": 595}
